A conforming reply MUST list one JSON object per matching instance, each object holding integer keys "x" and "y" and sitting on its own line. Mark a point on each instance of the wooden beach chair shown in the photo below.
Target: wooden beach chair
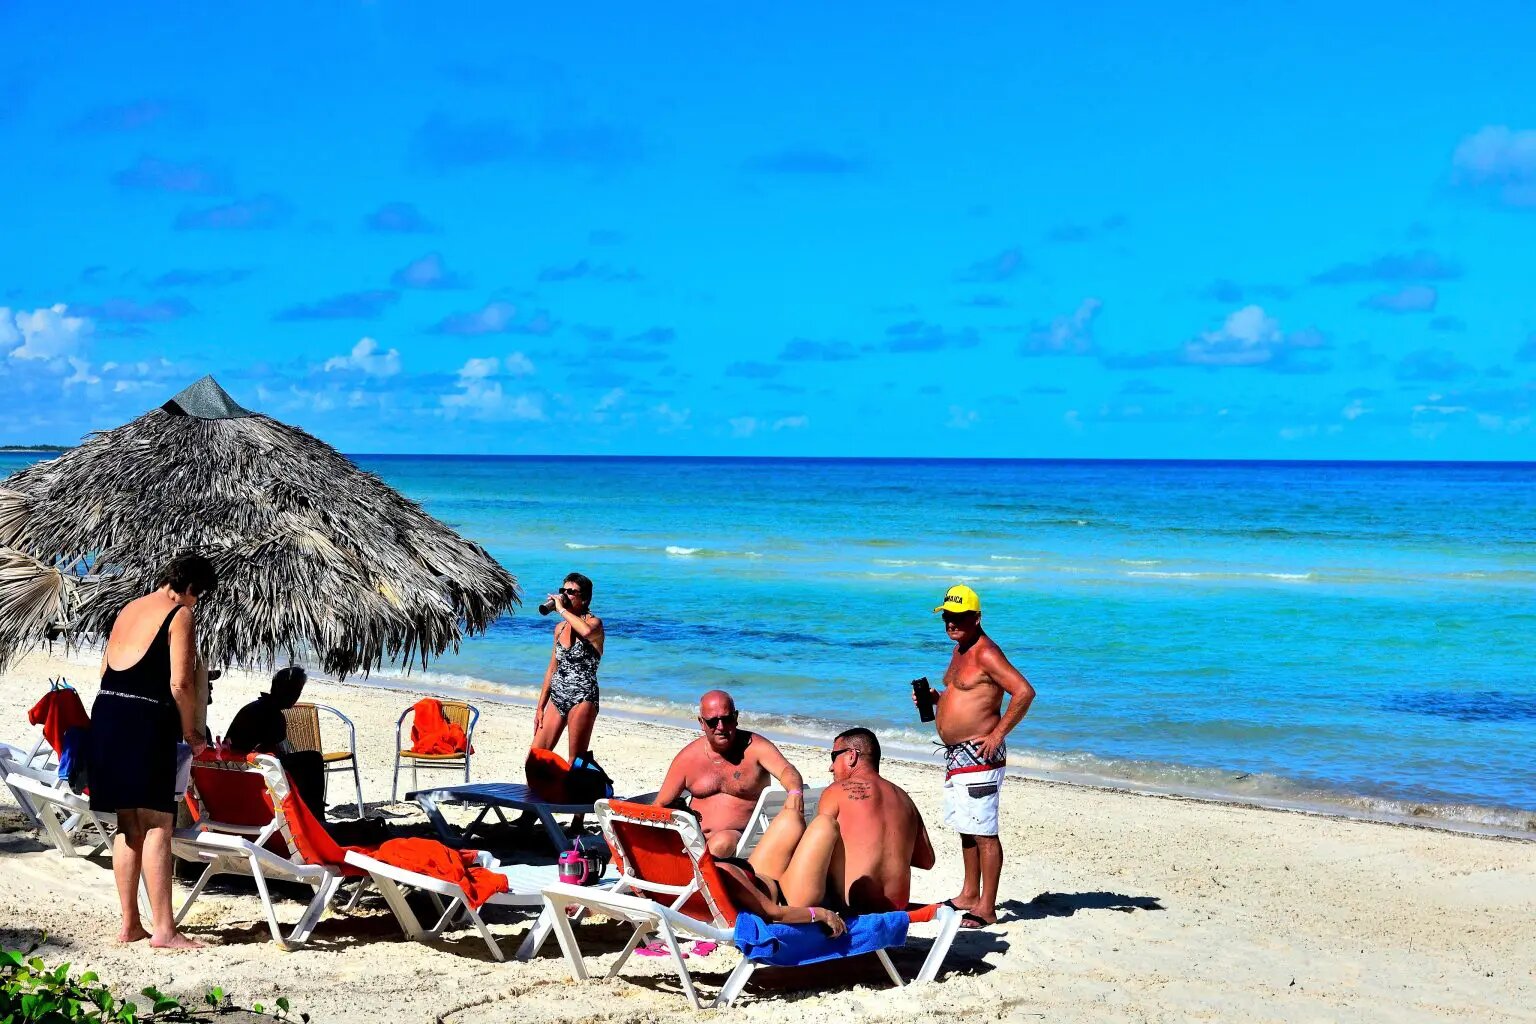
{"x": 460, "y": 713}
{"x": 669, "y": 886}
{"x": 304, "y": 734}
{"x": 251, "y": 822}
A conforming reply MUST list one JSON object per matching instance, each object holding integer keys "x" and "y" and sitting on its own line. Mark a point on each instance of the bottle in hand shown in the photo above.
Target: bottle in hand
{"x": 923, "y": 693}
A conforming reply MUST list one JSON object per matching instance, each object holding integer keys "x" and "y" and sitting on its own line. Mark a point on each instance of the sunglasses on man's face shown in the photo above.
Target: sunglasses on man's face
{"x": 571, "y": 591}
{"x": 838, "y": 752}
{"x": 715, "y": 720}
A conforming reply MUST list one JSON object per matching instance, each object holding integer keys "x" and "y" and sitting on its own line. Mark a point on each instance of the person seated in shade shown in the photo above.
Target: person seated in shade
{"x": 857, "y": 854}
{"x": 725, "y": 771}
{"x": 261, "y": 728}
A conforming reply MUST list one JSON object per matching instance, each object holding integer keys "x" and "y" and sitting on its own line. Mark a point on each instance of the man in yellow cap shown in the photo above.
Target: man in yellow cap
{"x": 973, "y": 726}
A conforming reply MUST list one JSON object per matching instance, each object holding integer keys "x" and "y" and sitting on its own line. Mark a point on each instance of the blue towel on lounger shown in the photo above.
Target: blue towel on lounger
{"x": 793, "y": 945}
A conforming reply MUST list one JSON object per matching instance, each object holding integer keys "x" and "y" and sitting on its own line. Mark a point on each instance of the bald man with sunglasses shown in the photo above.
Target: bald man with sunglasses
{"x": 725, "y": 771}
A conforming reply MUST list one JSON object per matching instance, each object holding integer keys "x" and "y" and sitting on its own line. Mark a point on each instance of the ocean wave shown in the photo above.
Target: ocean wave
{"x": 677, "y": 549}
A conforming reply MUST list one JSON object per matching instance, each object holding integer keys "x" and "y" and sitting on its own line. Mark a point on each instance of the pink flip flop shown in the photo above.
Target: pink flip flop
{"x": 654, "y": 948}
{"x": 704, "y": 947}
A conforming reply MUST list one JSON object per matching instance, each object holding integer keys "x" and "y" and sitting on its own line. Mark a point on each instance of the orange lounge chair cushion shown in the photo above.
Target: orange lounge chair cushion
{"x": 659, "y": 856}
{"x": 546, "y": 772}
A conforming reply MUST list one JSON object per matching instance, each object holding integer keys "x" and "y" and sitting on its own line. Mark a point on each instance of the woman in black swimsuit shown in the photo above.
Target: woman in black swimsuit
{"x": 147, "y": 703}
{"x": 569, "y": 697}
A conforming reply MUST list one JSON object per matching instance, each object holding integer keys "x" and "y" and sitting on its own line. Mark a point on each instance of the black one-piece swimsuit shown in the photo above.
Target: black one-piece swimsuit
{"x": 134, "y": 731}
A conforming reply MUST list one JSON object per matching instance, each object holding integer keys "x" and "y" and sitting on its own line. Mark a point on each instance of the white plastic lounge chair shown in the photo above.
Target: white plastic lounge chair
{"x": 63, "y": 814}
{"x": 460, "y": 713}
{"x": 525, "y": 884}
{"x": 670, "y": 886}
{"x": 251, "y": 822}
{"x": 769, "y": 804}
{"x": 13, "y": 764}
{"x": 304, "y": 733}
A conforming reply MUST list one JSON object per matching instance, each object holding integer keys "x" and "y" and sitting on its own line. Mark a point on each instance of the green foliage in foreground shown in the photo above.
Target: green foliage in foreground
{"x": 33, "y": 993}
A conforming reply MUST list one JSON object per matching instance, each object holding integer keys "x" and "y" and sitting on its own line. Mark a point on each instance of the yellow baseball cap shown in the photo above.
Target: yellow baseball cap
{"x": 960, "y": 598}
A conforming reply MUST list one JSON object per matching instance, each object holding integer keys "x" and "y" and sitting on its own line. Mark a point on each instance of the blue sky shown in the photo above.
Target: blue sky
{"x": 1139, "y": 231}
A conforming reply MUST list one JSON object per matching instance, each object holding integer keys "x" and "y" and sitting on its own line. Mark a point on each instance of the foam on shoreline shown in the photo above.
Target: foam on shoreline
{"x": 1226, "y": 786}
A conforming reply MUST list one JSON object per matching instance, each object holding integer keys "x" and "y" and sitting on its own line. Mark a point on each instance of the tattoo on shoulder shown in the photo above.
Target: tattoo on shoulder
{"x": 856, "y": 789}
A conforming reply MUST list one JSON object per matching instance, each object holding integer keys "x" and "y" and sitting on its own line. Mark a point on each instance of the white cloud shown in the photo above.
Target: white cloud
{"x": 82, "y": 374}
{"x": 1065, "y": 335}
{"x": 1354, "y": 410}
{"x": 611, "y": 399}
{"x": 791, "y": 423}
{"x": 519, "y": 365}
{"x": 1248, "y": 337}
{"x": 366, "y": 357}
{"x": 961, "y": 418}
{"x": 672, "y": 419}
{"x": 1501, "y": 160}
{"x": 44, "y": 333}
{"x": 479, "y": 368}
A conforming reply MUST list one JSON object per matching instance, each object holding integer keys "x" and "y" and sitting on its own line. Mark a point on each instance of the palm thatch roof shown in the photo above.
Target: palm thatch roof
{"x": 316, "y": 558}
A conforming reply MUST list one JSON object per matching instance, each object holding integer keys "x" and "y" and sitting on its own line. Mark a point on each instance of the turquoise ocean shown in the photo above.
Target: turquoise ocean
{"x": 1343, "y": 636}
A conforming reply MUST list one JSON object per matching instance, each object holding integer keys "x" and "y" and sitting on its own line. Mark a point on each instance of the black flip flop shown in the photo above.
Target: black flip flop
{"x": 974, "y": 922}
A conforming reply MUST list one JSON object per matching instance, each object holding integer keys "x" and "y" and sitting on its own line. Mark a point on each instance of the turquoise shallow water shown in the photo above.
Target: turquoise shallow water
{"x": 1351, "y": 634}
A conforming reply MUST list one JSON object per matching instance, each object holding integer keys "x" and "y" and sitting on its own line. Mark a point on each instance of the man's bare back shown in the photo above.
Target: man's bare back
{"x": 883, "y": 839}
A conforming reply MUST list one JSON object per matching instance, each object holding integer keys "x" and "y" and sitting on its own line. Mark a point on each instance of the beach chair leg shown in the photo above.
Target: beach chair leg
{"x": 949, "y": 925}
{"x": 214, "y": 867}
{"x": 534, "y": 940}
{"x": 394, "y": 897}
{"x": 669, "y": 937}
{"x": 466, "y": 768}
{"x": 266, "y": 903}
{"x": 890, "y": 968}
{"x": 325, "y": 891}
{"x": 567, "y": 937}
{"x": 357, "y": 782}
{"x": 57, "y": 833}
{"x": 357, "y": 896}
{"x": 394, "y": 787}
{"x": 635, "y": 938}
{"x": 485, "y": 933}
{"x": 735, "y": 983}
{"x": 553, "y": 830}
{"x": 448, "y": 914}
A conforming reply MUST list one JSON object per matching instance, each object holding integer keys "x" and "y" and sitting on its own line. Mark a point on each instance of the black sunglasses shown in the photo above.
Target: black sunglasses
{"x": 840, "y": 751}
{"x": 572, "y": 591}
{"x": 717, "y": 719}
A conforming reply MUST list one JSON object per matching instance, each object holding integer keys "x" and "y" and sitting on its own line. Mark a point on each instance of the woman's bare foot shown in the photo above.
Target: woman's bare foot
{"x": 175, "y": 940}
{"x": 963, "y": 902}
{"x": 132, "y": 933}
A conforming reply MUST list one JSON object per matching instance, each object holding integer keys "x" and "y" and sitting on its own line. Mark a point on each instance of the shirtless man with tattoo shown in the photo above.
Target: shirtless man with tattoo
{"x": 857, "y": 854}
{"x": 972, "y": 726}
{"x": 725, "y": 771}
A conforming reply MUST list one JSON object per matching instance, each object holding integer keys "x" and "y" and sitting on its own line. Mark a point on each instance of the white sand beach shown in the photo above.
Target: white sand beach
{"x": 1118, "y": 907}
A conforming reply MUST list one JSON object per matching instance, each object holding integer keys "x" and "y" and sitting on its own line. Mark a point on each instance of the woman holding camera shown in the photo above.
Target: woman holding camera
{"x": 568, "y": 699}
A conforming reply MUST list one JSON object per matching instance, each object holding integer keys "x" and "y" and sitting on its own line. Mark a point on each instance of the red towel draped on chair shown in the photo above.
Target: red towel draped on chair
{"x": 58, "y": 712}
{"x": 432, "y": 733}
{"x": 430, "y": 857}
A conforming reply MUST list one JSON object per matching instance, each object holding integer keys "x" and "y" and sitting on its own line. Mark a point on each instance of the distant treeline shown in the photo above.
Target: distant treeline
{"x": 34, "y": 447}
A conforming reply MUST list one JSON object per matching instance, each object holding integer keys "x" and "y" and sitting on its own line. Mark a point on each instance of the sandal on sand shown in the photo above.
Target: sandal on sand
{"x": 655, "y": 947}
{"x": 704, "y": 948}
{"x": 973, "y": 922}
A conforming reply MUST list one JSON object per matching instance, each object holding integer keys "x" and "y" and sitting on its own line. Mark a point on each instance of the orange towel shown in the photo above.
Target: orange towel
{"x": 314, "y": 843}
{"x": 58, "y": 712}
{"x": 430, "y": 857}
{"x": 546, "y": 773}
{"x": 432, "y": 733}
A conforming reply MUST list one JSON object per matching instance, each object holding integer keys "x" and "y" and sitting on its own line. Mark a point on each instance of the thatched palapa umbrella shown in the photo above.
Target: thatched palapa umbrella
{"x": 315, "y": 557}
